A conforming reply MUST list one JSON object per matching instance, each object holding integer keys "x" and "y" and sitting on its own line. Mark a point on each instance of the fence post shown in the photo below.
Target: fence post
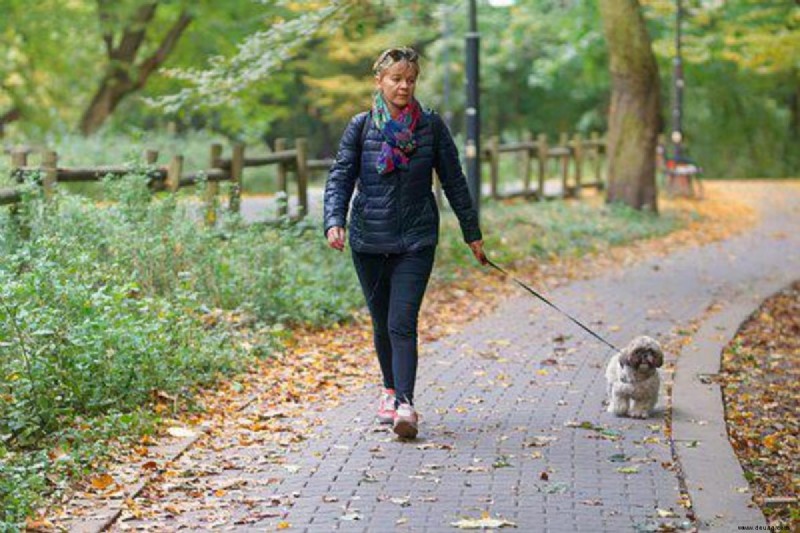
{"x": 542, "y": 154}
{"x": 212, "y": 187}
{"x": 50, "y": 169}
{"x": 283, "y": 186}
{"x": 174, "y": 171}
{"x": 19, "y": 159}
{"x": 577, "y": 152}
{"x": 494, "y": 164}
{"x": 301, "y": 145}
{"x": 526, "y": 163}
{"x": 563, "y": 143}
{"x": 150, "y": 158}
{"x": 237, "y": 168}
{"x": 598, "y": 171}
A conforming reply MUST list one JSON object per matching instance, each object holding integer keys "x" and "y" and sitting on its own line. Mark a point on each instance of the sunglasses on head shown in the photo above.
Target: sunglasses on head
{"x": 397, "y": 54}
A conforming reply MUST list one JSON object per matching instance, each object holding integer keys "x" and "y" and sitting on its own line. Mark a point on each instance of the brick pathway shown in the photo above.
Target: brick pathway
{"x": 504, "y": 402}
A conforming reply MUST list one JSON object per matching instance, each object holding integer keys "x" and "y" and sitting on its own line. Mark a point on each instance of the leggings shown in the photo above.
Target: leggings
{"x": 393, "y": 286}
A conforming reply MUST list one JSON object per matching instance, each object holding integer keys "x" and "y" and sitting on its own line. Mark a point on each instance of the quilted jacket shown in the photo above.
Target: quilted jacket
{"x": 396, "y": 212}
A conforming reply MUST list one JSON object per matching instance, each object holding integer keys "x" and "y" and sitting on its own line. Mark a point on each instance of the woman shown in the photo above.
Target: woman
{"x": 389, "y": 154}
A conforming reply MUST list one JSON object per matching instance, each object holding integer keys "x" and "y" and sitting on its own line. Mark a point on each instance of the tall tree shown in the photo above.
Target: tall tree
{"x": 634, "y": 119}
{"x": 123, "y": 74}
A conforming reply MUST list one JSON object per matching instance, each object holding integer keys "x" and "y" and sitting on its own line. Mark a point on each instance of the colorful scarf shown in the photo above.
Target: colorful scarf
{"x": 398, "y": 134}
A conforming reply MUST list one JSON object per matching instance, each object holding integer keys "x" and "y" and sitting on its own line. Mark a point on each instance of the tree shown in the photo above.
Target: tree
{"x": 123, "y": 75}
{"x": 634, "y": 118}
{"x": 43, "y": 54}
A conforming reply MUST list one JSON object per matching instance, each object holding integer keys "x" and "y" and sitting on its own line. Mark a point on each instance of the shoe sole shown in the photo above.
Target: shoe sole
{"x": 384, "y": 419}
{"x": 405, "y": 429}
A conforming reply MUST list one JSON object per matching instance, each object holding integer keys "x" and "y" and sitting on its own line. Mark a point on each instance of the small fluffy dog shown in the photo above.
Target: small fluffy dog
{"x": 633, "y": 381}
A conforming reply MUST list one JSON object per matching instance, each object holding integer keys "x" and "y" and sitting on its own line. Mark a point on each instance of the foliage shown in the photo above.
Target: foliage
{"x": 741, "y": 117}
{"x": 260, "y": 70}
{"x": 103, "y": 308}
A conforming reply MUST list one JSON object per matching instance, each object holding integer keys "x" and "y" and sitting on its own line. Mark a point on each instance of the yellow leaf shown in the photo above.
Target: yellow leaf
{"x": 283, "y": 524}
{"x": 102, "y": 482}
{"x": 771, "y": 442}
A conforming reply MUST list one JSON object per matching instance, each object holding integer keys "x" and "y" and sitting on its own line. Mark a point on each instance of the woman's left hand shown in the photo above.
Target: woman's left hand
{"x": 477, "y": 251}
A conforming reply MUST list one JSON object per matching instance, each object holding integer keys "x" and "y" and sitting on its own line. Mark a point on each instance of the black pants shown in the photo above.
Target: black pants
{"x": 394, "y": 285}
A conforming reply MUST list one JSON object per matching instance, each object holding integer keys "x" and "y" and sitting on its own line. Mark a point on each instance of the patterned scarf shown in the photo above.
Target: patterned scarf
{"x": 398, "y": 134}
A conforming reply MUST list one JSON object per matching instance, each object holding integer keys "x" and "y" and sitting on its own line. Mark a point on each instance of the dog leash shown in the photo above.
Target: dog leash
{"x": 551, "y": 304}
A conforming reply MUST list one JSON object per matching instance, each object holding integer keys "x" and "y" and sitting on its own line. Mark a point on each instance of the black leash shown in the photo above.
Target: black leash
{"x": 551, "y": 304}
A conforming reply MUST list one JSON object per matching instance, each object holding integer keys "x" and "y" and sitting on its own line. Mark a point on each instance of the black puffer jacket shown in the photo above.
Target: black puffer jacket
{"x": 396, "y": 212}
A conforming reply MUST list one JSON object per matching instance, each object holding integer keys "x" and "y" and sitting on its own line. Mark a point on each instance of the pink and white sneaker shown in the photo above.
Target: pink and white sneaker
{"x": 386, "y": 409}
{"x": 406, "y": 421}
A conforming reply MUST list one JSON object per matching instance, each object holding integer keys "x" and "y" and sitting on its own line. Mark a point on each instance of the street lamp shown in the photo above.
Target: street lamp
{"x": 677, "y": 102}
{"x": 473, "y": 115}
{"x": 472, "y": 150}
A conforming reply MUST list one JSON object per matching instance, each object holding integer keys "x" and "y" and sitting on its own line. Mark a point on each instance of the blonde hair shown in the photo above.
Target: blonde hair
{"x": 390, "y": 56}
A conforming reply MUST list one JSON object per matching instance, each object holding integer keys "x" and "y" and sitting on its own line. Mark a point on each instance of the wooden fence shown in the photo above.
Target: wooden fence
{"x": 571, "y": 155}
{"x": 295, "y": 162}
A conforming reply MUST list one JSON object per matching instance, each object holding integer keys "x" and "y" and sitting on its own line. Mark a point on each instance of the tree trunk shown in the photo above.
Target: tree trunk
{"x": 634, "y": 119}
{"x": 124, "y": 75}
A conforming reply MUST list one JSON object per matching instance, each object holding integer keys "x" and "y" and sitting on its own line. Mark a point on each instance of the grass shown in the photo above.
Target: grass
{"x": 104, "y": 308}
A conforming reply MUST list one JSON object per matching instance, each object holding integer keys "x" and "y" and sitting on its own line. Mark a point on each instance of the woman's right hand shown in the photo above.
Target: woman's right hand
{"x": 336, "y": 237}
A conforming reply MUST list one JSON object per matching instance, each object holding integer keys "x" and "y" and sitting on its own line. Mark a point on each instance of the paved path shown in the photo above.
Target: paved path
{"x": 257, "y": 208}
{"x": 514, "y": 424}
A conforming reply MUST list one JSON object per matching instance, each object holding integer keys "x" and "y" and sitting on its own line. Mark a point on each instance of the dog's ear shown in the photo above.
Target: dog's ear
{"x": 625, "y": 357}
{"x": 655, "y": 358}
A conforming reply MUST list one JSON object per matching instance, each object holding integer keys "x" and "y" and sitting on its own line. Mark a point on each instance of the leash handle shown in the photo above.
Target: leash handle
{"x": 551, "y": 304}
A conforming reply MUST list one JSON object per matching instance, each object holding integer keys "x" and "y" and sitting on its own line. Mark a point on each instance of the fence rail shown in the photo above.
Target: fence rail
{"x": 295, "y": 162}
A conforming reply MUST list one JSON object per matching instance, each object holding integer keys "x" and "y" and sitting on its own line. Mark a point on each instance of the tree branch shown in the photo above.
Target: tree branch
{"x": 152, "y": 63}
{"x": 105, "y": 23}
{"x": 134, "y": 34}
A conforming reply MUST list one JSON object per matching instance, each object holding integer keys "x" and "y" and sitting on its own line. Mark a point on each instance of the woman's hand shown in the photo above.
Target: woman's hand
{"x": 336, "y": 237}
{"x": 477, "y": 251}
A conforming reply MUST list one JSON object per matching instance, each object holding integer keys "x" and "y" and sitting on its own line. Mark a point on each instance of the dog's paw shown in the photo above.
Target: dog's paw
{"x": 617, "y": 410}
{"x": 639, "y": 414}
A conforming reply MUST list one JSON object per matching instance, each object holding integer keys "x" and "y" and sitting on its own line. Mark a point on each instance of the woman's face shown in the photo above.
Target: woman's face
{"x": 397, "y": 83}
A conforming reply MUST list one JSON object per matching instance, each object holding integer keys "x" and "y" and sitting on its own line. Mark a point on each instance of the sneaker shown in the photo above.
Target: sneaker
{"x": 405, "y": 422}
{"x": 386, "y": 409}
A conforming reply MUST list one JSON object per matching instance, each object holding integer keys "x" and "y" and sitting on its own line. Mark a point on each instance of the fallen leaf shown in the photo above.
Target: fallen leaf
{"x": 181, "y": 432}
{"x": 539, "y": 441}
{"x": 102, "y": 482}
{"x": 484, "y": 522}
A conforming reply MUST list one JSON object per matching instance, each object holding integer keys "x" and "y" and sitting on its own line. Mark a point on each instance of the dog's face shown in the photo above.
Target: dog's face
{"x": 643, "y": 354}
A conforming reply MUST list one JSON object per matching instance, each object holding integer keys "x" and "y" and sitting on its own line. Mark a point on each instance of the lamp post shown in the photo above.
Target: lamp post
{"x": 677, "y": 101}
{"x": 473, "y": 147}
